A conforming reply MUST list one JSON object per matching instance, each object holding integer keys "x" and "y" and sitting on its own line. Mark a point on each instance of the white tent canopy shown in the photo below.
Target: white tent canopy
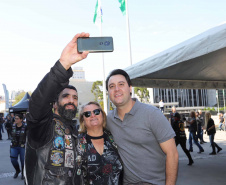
{"x": 199, "y": 62}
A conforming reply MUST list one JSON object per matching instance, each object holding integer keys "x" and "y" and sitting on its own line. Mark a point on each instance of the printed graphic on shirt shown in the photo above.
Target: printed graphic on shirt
{"x": 69, "y": 158}
{"x": 58, "y": 143}
{"x": 105, "y": 168}
{"x": 181, "y": 125}
{"x": 59, "y": 128}
{"x": 68, "y": 142}
{"x": 57, "y": 158}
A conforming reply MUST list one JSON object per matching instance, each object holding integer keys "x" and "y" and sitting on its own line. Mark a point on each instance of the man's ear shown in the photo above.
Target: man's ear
{"x": 55, "y": 105}
{"x": 131, "y": 89}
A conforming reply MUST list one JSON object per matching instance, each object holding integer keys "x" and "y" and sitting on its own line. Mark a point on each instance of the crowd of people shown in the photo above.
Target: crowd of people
{"x": 134, "y": 144}
{"x": 196, "y": 126}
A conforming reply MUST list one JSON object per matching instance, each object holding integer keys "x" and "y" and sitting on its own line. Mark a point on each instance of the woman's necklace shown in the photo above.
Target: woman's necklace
{"x": 95, "y": 137}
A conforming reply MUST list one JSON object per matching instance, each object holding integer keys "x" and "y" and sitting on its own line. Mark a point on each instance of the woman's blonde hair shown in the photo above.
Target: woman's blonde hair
{"x": 82, "y": 128}
{"x": 207, "y": 116}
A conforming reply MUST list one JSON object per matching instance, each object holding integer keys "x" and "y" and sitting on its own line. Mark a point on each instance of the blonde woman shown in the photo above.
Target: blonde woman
{"x": 211, "y": 130}
{"x": 97, "y": 155}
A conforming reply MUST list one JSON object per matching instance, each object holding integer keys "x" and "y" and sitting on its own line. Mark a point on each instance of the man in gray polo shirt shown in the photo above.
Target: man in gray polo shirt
{"x": 144, "y": 137}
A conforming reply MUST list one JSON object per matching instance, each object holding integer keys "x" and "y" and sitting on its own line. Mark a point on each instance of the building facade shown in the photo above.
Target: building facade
{"x": 185, "y": 97}
{"x": 83, "y": 87}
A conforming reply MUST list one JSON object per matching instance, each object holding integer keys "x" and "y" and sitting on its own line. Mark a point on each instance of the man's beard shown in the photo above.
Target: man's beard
{"x": 67, "y": 114}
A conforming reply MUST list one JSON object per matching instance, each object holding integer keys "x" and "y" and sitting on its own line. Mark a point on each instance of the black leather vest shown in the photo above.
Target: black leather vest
{"x": 22, "y": 136}
{"x": 53, "y": 164}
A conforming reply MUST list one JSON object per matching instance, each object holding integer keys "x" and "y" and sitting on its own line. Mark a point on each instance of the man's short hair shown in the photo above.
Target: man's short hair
{"x": 19, "y": 115}
{"x": 118, "y": 72}
{"x": 66, "y": 87}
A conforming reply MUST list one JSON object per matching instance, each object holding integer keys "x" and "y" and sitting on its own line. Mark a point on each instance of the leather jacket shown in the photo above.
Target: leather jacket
{"x": 50, "y": 150}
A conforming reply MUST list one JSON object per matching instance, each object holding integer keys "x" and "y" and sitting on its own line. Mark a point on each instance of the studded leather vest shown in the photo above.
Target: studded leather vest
{"x": 22, "y": 136}
{"x": 54, "y": 162}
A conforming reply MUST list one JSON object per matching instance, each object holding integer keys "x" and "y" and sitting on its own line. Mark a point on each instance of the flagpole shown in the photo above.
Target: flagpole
{"x": 104, "y": 83}
{"x": 128, "y": 36}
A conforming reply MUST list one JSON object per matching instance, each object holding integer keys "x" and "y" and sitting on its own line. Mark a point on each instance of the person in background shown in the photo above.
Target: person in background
{"x": 1, "y": 127}
{"x": 221, "y": 121}
{"x": 211, "y": 130}
{"x": 24, "y": 118}
{"x": 161, "y": 106}
{"x": 8, "y": 127}
{"x": 171, "y": 118}
{"x": 199, "y": 121}
{"x": 100, "y": 150}
{"x": 224, "y": 121}
{"x": 12, "y": 118}
{"x": 17, "y": 147}
{"x": 180, "y": 138}
{"x": 144, "y": 137}
{"x": 202, "y": 120}
{"x": 192, "y": 134}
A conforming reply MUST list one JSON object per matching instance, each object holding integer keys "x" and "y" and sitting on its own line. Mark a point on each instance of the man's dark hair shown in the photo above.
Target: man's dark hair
{"x": 19, "y": 115}
{"x": 118, "y": 72}
{"x": 71, "y": 87}
{"x": 66, "y": 87}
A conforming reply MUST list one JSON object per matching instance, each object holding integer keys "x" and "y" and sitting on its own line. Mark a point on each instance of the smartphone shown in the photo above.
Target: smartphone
{"x": 95, "y": 44}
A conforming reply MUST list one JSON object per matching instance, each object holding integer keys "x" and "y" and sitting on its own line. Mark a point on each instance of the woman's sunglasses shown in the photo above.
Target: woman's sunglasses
{"x": 87, "y": 114}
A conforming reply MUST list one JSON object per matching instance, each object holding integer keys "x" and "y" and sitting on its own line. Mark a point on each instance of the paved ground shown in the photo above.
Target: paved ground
{"x": 6, "y": 169}
{"x": 207, "y": 170}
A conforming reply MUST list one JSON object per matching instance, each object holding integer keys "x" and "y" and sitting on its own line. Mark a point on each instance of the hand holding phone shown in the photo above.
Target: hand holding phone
{"x": 95, "y": 44}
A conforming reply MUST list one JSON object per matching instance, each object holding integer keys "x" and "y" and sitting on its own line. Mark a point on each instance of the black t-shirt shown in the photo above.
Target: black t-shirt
{"x": 103, "y": 169}
{"x": 210, "y": 124}
{"x": 178, "y": 127}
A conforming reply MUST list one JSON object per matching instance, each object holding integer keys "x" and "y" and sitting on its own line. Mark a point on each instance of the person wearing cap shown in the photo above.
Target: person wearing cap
{"x": 51, "y": 147}
{"x": 180, "y": 138}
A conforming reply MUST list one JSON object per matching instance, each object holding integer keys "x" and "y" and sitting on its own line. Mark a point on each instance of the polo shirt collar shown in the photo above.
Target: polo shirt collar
{"x": 132, "y": 111}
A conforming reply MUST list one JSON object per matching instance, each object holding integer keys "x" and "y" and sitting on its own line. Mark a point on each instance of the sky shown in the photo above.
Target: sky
{"x": 33, "y": 33}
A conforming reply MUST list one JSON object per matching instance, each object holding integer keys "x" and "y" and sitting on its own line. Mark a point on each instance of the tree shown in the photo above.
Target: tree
{"x": 142, "y": 93}
{"x": 96, "y": 90}
{"x": 19, "y": 97}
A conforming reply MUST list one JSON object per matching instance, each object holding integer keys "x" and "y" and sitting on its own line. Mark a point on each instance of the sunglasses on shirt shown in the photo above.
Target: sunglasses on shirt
{"x": 87, "y": 114}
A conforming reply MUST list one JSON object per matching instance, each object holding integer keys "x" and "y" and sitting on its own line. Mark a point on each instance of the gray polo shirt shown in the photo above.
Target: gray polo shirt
{"x": 138, "y": 137}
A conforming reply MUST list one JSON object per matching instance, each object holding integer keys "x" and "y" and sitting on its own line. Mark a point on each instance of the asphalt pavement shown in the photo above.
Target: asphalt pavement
{"x": 206, "y": 170}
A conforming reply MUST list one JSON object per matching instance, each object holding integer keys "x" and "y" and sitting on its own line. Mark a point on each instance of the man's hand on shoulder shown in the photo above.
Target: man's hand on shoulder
{"x": 70, "y": 54}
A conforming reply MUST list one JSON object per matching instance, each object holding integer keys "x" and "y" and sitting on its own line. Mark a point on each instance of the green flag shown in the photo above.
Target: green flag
{"x": 122, "y": 6}
{"x": 98, "y": 13}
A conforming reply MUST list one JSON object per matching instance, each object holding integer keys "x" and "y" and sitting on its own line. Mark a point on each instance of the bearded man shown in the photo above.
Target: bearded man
{"x": 52, "y": 136}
